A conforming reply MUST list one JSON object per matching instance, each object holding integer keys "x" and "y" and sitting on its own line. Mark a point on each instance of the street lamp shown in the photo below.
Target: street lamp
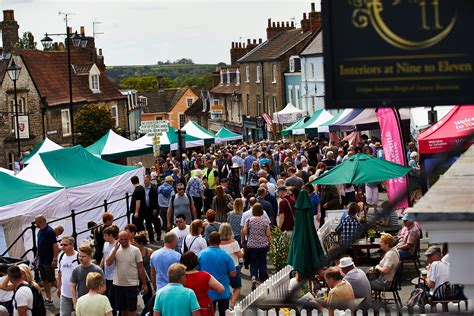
{"x": 180, "y": 134}
{"x": 77, "y": 41}
{"x": 14, "y": 73}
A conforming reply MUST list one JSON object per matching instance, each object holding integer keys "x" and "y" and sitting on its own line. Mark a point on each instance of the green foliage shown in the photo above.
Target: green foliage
{"x": 139, "y": 83}
{"x": 27, "y": 41}
{"x": 92, "y": 122}
{"x": 150, "y": 83}
{"x": 279, "y": 248}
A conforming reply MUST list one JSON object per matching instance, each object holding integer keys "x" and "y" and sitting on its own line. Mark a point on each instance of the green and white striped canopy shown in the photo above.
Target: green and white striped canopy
{"x": 194, "y": 129}
{"x": 225, "y": 135}
{"x": 113, "y": 146}
{"x": 289, "y": 130}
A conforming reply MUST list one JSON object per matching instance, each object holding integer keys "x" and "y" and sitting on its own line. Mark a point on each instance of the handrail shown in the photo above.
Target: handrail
{"x": 72, "y": 216}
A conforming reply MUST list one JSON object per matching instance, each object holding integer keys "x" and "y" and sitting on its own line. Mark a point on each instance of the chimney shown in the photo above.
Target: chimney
{"x": 275, "y": 28}
{"x": 100, "y": 60}
{"x": 269, "y": 23}
{"x": 237, "y": 51}
{"x": 260, "y": 41}
{"x": 83, "y": 32}
{"x": 304, "y": 24}
{"x": 314, "y": 19}
{"x": 9, "y": 28}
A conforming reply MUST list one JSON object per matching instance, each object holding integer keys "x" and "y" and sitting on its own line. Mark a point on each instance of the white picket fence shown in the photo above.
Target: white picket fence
{"x": 276, "y": 288}
{"x": 416, "y": 310}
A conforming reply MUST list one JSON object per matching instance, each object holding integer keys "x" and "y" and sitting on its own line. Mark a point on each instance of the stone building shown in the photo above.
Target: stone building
{"x": 262, "y": 70}
{"x": 43, "y": 91}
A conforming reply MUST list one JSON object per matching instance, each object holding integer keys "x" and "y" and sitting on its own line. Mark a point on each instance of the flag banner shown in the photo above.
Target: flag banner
{"x": 392, "y": 143}
{"x": 268, "y": 120}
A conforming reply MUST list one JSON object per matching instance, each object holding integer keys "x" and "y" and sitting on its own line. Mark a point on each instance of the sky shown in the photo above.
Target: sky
{"x": 143, "y": 32}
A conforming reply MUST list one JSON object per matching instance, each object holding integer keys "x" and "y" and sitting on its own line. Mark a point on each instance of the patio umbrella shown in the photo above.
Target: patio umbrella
{"x": 362, "y": 168}
{"x": 306, "y": 254}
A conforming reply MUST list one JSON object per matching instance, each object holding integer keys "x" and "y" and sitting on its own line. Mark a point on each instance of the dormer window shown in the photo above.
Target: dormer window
{"x": 94, "y": 82}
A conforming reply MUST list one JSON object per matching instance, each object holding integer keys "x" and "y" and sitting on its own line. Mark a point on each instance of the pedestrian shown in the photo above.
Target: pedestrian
{"x": 23, "y": 297}
{"x": 181, "y": 231}
{"x": 6, "y": 294}
{"x": 94, "y": 303}
{"x": 79, "y": 274}
{"x": 220, "y": 265}
{"x": 138, "y": 204}
{"x": 194, "y": 241}
{"x": 165, "y": 192}
{"x": 252, "y": 176}
{"x": 211, "y": 224}
{"x": 286, "y": 210}
{"x": 232, "y": 247}
{"x": 151, "y": 214}
{"x": 181, "y": 203}
{"x": 162, "y": 259}
{"x": 68, "y": 261}
{"x": 47, "y": 255}
{"x": 195, "y": 189}
{"x": 200, "y": 282}
{"x": 127, "y": 273}
{"x": 211, "y": 175}
{"x": 257, "y": 230}
{"x": 110, "y": 236}
{"x": 234, "y": 217}
{"x": 141, "y": 242}
{"x": 107, "y": 220}
{"x": 222, "y": 204}
{"x": 174, "y": 299}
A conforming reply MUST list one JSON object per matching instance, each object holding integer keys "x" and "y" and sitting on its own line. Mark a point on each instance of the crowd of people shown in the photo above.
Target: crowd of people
{"x": 214, "y": 212}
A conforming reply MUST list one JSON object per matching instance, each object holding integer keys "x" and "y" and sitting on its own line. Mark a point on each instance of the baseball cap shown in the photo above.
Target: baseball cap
{"x": 432, "y": 250}
{"x": 408, "y": 217}
{"x": 345, "y": 262}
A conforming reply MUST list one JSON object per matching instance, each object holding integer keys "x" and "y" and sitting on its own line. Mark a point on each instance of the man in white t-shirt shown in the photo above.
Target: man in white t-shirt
{"x": 181, "y": 231}
{"x": 439, "y": 269}
{"x": 68, "y": 260}
{"x": 23, "y": 297}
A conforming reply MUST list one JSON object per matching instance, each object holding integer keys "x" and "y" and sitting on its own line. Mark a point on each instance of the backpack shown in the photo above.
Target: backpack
{"x": 417, "y": 297}
{"x": 185, "y": 246}
{"x": 38, "y": 302}
{"x": 62, "y": 255}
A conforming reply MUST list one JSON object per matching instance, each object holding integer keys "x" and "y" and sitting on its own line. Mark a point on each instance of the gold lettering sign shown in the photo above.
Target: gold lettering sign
{"x": 370, "y": 12}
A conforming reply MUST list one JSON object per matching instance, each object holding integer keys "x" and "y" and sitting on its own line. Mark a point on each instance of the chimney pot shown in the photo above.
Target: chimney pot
{"x": 248, "y": 41}
{"x": 8, "y": 15}
{"x": 292, "y": 24}
{"x": 304, "y": 16}
{"x": 278, "y": 24}
{"x": 269, "y": 22}
{"x": 313, "y": 8}
{"x": 254, "y": 41}
{"x": 232, "y": 45}
{"x": 287, "y": 24}
{"x": 100, "y": 51}
{"x": 83, "y": 32}
{"x": 273, "y": 24}
{"x": 260, "y": 41}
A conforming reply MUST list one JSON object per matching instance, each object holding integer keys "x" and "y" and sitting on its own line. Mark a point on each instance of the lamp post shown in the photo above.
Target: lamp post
{"x": 180, "y": 134}
{"x": 77, "y": 41}
{"x": 14, "y": 73}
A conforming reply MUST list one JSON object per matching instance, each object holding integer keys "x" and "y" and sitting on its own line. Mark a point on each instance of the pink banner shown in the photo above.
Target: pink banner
{"x": 268, "y": 120}
{"x": 393, "y": 148}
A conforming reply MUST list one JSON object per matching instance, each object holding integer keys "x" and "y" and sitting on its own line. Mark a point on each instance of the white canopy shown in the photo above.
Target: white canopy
{"x": 322, "y": 118}
{"x": 43, "y": 147}
{"x": 288, "y": 115}
{"x": 113, "y": 146}
{"x": 366, "y": 119}
{"x": 7, "y": 171}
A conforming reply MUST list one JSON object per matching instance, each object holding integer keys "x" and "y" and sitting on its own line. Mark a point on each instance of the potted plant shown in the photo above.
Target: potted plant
{"x": 371, "y": 234}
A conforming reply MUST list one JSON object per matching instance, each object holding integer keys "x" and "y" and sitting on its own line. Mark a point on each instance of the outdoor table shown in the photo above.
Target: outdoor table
{"x": 364, "y": 243}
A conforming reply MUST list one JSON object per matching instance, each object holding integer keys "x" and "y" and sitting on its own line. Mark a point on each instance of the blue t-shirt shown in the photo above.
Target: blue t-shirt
{"x": 175, "y": 300}
{"x": 218, "y": 263}
{"x": 315, "y": 201}
{"x": 161, "y": 260}
{"x": 248, "y": 163}
{"x": 46, "y": 241}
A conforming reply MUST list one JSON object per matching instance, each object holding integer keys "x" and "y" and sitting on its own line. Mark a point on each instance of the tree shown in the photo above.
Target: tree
{"x": 148, "y": 83}
{"x": 92, "y": 122}
{"x": 27, "y": 41}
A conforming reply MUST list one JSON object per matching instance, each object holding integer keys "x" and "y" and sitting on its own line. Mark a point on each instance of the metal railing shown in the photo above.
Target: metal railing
{"x": 73, "y": 216}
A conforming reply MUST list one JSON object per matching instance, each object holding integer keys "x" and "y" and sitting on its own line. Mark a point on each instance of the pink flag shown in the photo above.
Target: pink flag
{"x": 392, "y": 143}
{"x": 268, "y": 120}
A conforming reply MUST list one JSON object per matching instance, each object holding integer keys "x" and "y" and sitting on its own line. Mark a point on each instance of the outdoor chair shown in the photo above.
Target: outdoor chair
{"x": 331, "y": 240}
{"x": 394, "y": 287}
{"x": 415, "y": 258}
{"x": 446, "y": 293}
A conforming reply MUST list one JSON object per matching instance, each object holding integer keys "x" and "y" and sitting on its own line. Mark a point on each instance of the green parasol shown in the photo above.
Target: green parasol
{"x": 306, "y": 254}
{"x": 362, "y": 168}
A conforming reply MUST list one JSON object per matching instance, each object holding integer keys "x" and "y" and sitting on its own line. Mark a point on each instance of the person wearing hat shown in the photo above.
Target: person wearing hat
{"x": 409, "y": 237}
{"x": 379, "y": 150}
{"x": 165, "y": 192}
{"x": 438, "y": 272}
{"x": 357, "y": 279}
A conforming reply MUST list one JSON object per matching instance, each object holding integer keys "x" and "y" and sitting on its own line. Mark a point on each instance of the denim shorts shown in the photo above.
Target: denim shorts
{"x": 236, "y": 282}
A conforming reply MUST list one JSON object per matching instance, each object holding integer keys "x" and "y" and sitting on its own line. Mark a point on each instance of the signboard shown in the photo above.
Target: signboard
{"x": 217, "y": 110}
{"x": 23, "y": 123}
{"x": 398, "y": 52}
{"x": 153, "y": 127}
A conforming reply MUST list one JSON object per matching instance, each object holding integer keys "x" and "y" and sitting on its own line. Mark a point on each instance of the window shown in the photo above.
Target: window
{"x": 222, "y": 77}
{"x": 159, "y": 118}
{"x": 259, "y": 104}
{"x": 274, "y": 104}
{"x": 94, "y": 82}
{"x": 66, "y": 122}
{"x": 189, "y": 102}
{"x": 114, "y": 110}
{"x": 237, "y": 77}
{"x": 248, "y": 104}
{"x": 182, "y": 120}
{"x": 247, "y": 73}
{"x": 143, "y": 101}
{"x": 228, "y": 77}
{"x": 21, "y": 110}
{"x": 297, "y": 97}
{"x": 290, "y": 94}
{"x": 215, "y": 101}
{"x": 274, "y": 73}
{"x": 311, "y": 69}
{"x": 258, "y": 74}
{"x": 292, "y": 65}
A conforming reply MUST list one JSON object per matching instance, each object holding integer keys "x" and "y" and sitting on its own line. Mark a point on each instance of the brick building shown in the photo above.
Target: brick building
{"x": 43, "y": 90}
{"x": 262, "y": 70}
